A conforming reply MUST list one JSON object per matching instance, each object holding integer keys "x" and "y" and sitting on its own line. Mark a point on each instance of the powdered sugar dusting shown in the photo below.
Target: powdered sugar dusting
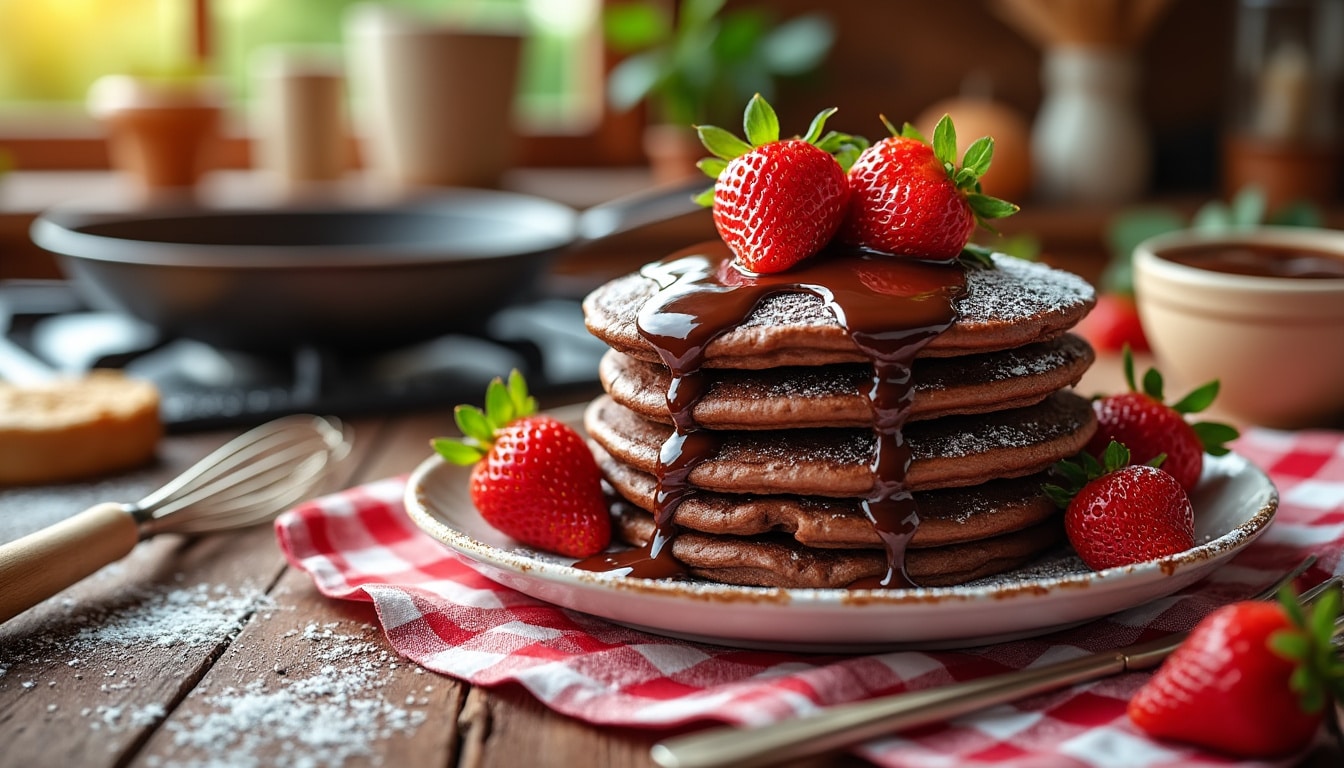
{"x": 327, "y": 716}
{"x": 327, "y": 708}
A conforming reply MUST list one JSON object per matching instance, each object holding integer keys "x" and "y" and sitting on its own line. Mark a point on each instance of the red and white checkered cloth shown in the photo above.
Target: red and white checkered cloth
{"x": 360, "y": 545}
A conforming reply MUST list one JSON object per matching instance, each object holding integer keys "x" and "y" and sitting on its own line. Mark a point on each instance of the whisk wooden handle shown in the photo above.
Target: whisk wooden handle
{"x": 41, "y": 564}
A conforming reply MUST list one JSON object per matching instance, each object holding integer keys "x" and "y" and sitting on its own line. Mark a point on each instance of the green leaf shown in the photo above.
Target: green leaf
{"x": 978, "y": 256}
{"x": 712, "y": 166}
{"x": 697, "y": 12}
{"x": 1213, "y": 216}
{"x": 1287, "y": 597}
{"x": 846, "y": 156}
{"x": 499, "y": 409}
{"x": 630, "y": 27}
{"x": 978, "y": 156}
{"x": 1248, "y": 207}
{"x": 1115, "y": 457}
{"x": 634, "y": 79}
{"x": 473, "y": 423}
{"x": 721, "y": 143}
{"x": 964, "y": 179}
{"x": 456, "y": 451}
{"x": 798, "y": 46}
{"x": 1127, "y": 361}
{"x": 908, "y": 131}
{"x": 1290, "y": 644}
{"x": 1323, "y": 616}
{"x": 987, "y": 207}
{"x": 1296, "y": 214}
{"x": 891, "y": 129}
{"x": 1058, "y": 495}
{"x": 814, "y": 130}
{"x": 1201, "y": 398}
{"x": 760, "y": 122}
{"x": 945, "y": 141}
{"x": 523, "y": 403}
{"x": 1152, "y": 384}
{"x": 705, "y": 199}
{"x": 1215, "y": 436}
{"x": 1157, "y": 461}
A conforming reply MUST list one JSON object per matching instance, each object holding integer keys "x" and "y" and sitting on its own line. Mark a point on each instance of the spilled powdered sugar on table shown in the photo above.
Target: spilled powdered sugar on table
{"x": 324, "y": 706}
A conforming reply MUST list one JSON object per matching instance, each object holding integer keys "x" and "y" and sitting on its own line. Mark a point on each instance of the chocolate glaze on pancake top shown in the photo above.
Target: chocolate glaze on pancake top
{"x": 889, "y": 307}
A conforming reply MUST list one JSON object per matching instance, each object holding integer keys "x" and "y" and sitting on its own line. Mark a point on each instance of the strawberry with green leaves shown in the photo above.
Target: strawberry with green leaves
{"x": 1148, "y": 427}
{"x": 909, "y": 197}
{"x": 776, "y": 202}
{"x": 1118, "y": 514}
{"x": 1253, "y": 679}
{"x": 533, "y": 477}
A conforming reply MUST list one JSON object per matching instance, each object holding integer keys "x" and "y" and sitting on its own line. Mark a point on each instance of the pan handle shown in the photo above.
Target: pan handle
{"x": 641, "y": 209}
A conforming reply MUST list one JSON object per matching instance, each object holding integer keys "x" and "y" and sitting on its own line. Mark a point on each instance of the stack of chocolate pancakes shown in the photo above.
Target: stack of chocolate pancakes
{"x": 859, "y": 420}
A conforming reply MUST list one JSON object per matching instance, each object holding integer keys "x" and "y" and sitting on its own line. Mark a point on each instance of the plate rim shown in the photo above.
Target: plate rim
{"x": 527, "y": 565}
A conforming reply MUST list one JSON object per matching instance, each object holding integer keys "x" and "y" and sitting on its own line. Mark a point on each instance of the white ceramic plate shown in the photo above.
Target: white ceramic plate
{"x": 1234, "y": 504}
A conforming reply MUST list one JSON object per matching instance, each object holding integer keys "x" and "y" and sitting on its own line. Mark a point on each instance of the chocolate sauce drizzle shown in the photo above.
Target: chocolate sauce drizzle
{"x": 889, "y": 306}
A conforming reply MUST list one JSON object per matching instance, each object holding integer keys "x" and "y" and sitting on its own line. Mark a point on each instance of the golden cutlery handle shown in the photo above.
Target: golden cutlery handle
{"x": 43, "y": 563}
{"x": 841, "y": 726}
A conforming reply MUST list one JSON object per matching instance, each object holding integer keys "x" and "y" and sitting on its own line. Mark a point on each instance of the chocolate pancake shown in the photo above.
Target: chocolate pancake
{"x": 836, "y": 396}
{"x": 948, "y": 452}
{"x": 947, "y": 516}
{"x": 783, "y": 562}
{"x": 1017, "y": 303}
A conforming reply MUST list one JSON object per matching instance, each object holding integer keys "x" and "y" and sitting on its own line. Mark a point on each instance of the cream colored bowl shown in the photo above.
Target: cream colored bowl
{"x": 1275, "y": 343}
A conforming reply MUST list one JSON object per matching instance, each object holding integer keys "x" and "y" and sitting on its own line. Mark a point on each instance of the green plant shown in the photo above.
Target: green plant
{"x": 1246, "y": 209}
{"x": 703, "y": 65}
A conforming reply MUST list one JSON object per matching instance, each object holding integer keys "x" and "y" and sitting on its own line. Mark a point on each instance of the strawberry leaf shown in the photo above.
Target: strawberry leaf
{"x": 1215, "y": 436}
{"x": 472, "y": 422}
{"x": 721, "y": 143}
{"x": 846, "y": 156}
{"x": 818, "y": 125}
{"x": 705, "y": 199}
{"x": 523, "y": 403}
{"x": 978, "y": 256}
{"x": 712, "y": 166}
{"x": 894, "y": 131}
{"x": 1058, "y": 495}
{"x": 978, "y": 156}
{"x": 1127, "y": 361}
{"x": 945, "y": 142}
{"x": 908, "y": 131}
{"x": 964, "y": 178}
{"x": 986, "y": 207}
{"x": 1152, "y": 384}
{"x": 499, "y": 410}
{"x": 1198, "y": 400}
{"x": 456, "y": 451}
{"x": 1115, "y": 457}
{"x": 759, "y": 122}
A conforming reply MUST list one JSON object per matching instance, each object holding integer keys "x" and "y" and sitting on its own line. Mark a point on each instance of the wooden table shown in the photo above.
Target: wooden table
{"x": 243, "y": 663}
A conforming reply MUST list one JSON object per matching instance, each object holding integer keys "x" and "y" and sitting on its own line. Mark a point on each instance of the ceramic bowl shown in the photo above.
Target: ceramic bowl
{"x": 1276, "y": 343}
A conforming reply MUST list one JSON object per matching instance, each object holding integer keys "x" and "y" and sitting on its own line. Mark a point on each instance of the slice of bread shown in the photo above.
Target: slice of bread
{"x": 77, "y": 428}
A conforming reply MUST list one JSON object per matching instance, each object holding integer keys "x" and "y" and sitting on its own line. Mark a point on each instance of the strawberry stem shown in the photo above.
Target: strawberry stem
{"x": 504, "y": 403}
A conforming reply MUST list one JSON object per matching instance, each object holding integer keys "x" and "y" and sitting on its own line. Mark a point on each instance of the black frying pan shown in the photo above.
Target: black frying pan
{"x": 341, "y": 277}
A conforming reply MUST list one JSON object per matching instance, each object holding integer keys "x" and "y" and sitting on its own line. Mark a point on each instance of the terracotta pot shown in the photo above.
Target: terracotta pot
{"x": 672, "y": 151}
{"x": 164, "y": 134}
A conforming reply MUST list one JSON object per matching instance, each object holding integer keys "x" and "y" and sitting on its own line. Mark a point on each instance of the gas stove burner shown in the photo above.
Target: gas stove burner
{"x": 205, "y": 387}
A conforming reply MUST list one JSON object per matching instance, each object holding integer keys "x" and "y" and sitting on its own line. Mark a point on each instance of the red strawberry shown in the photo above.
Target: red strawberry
{"x": 1148, "y": 427}
{"x": 1252, "y": 679}
{"x": 1113, "y": 324}
{"x": 909, "y": 197}
{"x": 1117, "y": 514}
{"x": 538, "y": 482}
{"x": 776, "y": 202}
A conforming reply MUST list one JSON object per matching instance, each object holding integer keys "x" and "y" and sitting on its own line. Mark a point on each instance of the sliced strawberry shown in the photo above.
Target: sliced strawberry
{"x": 1251, "y": 680}
{"x": 534, "y": 479}
{"x": 1118, "y": 514}
{"x": 1148, "y": 427}
{"x": 776, "y": 202}
{"x": 909, "y": 197}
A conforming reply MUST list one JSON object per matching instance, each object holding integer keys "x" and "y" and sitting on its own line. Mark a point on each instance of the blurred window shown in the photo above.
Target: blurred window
{"x": 52, "y": 50}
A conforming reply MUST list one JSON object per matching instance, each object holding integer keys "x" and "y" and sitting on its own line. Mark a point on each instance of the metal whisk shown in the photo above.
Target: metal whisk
{"x": 249, "y": 480}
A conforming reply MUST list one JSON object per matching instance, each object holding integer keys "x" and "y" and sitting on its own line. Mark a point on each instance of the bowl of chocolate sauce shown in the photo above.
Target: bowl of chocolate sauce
{"x": 1259, "y": 309}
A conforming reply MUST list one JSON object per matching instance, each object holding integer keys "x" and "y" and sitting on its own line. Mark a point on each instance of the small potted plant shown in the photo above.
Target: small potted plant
{"x": 700, "y": 65}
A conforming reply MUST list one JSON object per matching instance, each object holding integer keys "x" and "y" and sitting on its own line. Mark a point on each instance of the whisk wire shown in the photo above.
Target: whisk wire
{"x": 249, "y": 479}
